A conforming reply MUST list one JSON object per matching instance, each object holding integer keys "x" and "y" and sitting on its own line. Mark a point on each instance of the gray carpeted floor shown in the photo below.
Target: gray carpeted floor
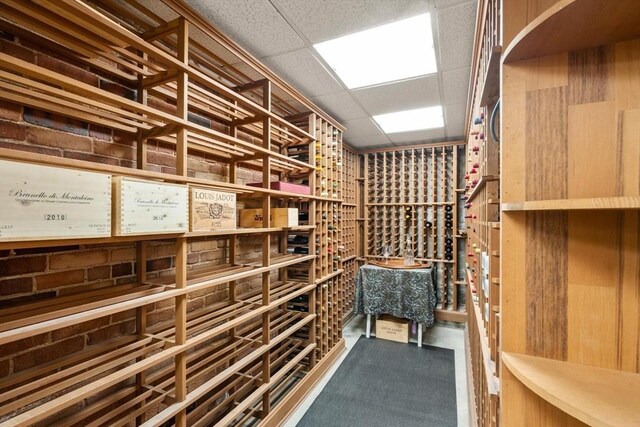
{"x": 387, "y": 384}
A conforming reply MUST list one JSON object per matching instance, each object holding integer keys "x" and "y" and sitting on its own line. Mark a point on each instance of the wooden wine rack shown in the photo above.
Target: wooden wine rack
{"x": 412, "y": 193}
{"x": 482, "y": 219}
{"x": 267, "y": 335}
{"x": 349, "y": 229}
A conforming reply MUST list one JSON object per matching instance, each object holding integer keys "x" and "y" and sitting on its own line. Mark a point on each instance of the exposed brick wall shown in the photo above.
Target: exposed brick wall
{"x": 31, "y": 274}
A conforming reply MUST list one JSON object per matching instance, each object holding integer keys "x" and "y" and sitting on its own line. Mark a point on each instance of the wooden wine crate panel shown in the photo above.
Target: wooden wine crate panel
{"x": 147, "y": 207}
{"x": 212, "y": 210}
{"x": 43, "y": 203}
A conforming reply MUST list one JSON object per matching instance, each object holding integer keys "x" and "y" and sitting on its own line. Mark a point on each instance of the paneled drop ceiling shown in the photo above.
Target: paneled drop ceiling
{"x": 281, "y": 33}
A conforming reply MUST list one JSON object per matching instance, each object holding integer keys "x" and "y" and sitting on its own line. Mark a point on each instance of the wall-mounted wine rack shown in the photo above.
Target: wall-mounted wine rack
{"x": 411, "y": 203}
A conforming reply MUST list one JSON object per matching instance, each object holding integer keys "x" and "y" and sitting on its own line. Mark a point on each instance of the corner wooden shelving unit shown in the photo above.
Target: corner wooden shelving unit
{"x": 412, "y": 193}
{"x": 247, "y": 358}
{"x": 482, "y": 219}
{"x": 570, "y": 226}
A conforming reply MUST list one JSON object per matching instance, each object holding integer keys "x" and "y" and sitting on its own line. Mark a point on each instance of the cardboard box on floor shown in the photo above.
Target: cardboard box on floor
{"x": 392, "y": 328}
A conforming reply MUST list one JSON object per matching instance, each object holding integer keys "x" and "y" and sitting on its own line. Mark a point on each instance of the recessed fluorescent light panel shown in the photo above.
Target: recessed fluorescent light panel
{"x": 391, "y": 52}
{"x": 405, "y": 121}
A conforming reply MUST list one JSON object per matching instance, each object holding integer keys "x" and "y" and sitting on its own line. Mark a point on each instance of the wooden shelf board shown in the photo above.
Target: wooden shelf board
{"x": 575, "y": 24}
{"x": 329, "y": 276}
{"x": 349, "y": 258}
{"x": 491, "y": 86}
{"x": 493, "y": 381}
{"x": 443, "y": 315}
{"x": 596, "y": 203}
{"x": 481, "y": 183}
{"x": 596, "y": 396}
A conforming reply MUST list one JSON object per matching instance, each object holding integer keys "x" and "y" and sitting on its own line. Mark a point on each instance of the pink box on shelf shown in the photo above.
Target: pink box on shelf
{"x": 289, "y": 187}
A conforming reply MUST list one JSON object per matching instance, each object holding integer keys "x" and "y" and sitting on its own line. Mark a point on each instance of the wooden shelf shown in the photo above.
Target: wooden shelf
{"x": 596, "y": 396}
{"x": 491, "y": 86}
{"x": 575, "y": 24}
{"x": 480, "y": 185}
{"x": 597, "y": 203}
{"x": 489, "y": 365}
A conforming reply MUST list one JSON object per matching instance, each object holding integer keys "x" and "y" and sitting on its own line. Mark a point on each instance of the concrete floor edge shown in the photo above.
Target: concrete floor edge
{"x": 440, "y": 335}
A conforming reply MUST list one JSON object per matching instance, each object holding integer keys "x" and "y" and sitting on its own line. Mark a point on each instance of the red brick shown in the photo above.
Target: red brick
{"x": 211, "y": 255}
{"x": 203, "y": 245}
{"x": 220, "y": 127}
{"x": 127, "y": 163}
{"x": 50, "y": 138}
{"x": 161, "y": 105}
{"x": 48, "y": 353}
{"x": 110, "y": 332}
{"x": 56, "y": 280}
{"x": 195, "y": 304}
{"x": 161, "y": 159}
{"x": 118, "y": 89}
{"x": 78, "y": 259}
{"x": 169, "y": 170}
{"x": 110, "y": 149}
{"x": 68, "y": 70}
{"x": 160, "y": 317}
{"x": 11, "y": 130}
{"x": 124, "y": 315}
{"x": 16, "y": 51}
{"x": 202, "y": 121}
{"x": 22, "y": 265}
{"x": 37, "y": 251}
{"x": 125, "y": 280}
{"x": 123, "y": 254}
{"x": 12, "y": 348}
{"x": 55, "y": 121}
{"x": 16, "y": 286}
{"x": 78, "y": 329}
{"x": 99, "y": 273}
{"x": 124, "y": 269}
{"x": 193, "y": 258}
{"x": 124, "y": 138}
{"x": 31, "y": 149}
{"x": 10, "y": 111}
{"x": 100, "y": 132}
{"x": 158, "y": 264}
{"x": 92, "y": 158}
{"x": 161, "y": 251}
{"x": 5, "y": 368}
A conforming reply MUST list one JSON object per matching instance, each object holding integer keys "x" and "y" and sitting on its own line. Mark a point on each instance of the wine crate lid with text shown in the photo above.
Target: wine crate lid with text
{"x": 149, "y": 207}
{"x": 43, "y": 202}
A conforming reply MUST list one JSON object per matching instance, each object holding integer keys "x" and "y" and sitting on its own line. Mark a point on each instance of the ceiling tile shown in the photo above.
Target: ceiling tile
{"x": 254, "y": 24}
{"x": 454, "y": 117}
{"x": 417, "y": 137}
{"x": 324, "y": 20}
{"x": 456, "y": 28}
{"x": 340, "y": 105}
{"x": 361, "y": 127}
{"x": 379, "y": 140}
{"x": 455, "y": 85}
{"x": 399, "y": 96}
{"x": 303, "y": 71}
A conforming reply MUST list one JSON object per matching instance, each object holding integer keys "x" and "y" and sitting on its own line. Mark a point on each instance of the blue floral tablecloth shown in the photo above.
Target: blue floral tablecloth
{"x": 408, "y": 294}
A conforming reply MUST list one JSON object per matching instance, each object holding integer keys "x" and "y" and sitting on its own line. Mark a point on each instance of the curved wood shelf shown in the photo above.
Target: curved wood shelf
{"x": 596, "y": 396}
{"x": 575, "y": 24}
{"x": 596, "y": 203}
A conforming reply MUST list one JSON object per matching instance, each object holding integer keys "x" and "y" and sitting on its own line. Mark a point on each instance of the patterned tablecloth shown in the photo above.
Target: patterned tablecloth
{"x": 408, "y": 294}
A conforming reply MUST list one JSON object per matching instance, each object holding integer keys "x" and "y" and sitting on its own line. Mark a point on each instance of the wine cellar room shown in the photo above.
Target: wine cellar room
{"x": 320, "y": 213}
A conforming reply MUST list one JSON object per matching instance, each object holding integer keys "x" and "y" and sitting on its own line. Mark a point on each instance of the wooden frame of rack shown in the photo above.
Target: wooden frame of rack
{"x": 570, "y": 249}
{"x": 349, "y": 229}
{"x": 240, "y": 354}
{"x": 481, "y": 197}
{"x": 397, "y": 204}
